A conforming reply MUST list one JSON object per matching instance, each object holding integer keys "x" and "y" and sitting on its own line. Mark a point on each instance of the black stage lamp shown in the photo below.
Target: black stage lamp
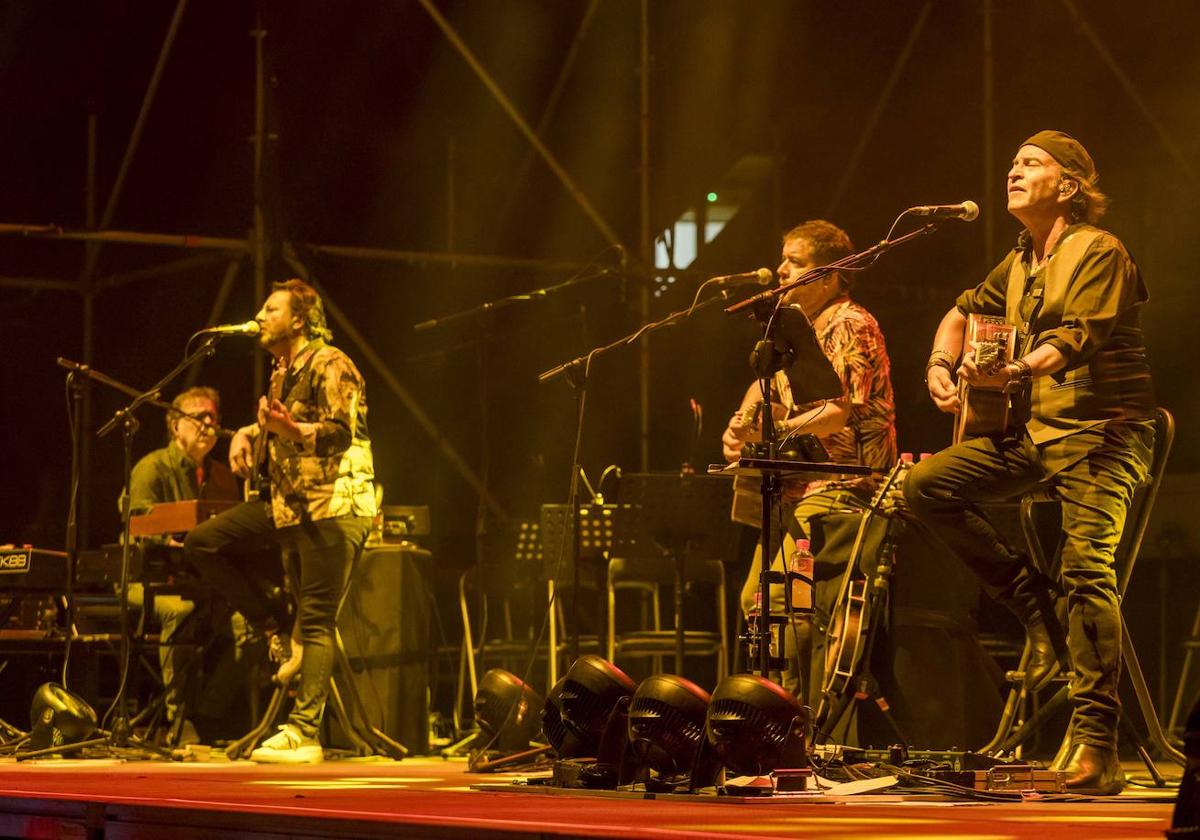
{"x": 666, "y": 732}
{"x": 506, "y": 710}
{"x": 591, "y": 691}
{"x": 58, "y": 718}
{"x": 560, "y": 738}
{"x": 755, "y": 726}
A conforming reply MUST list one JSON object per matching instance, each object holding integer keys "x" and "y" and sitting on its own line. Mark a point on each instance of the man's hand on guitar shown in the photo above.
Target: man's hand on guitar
{"x": 744, "y": 427}
{"x": 942, "y": 389}
{"x": 241, "y": 454}
{"x": 993, "y": 376}
{"x": 274, "y": 417}
{"x": 734, "y": 438}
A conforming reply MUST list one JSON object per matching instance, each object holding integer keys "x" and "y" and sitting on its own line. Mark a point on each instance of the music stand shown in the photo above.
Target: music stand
{"x": 668, "y": 514}
{"x": 597, "y": 537}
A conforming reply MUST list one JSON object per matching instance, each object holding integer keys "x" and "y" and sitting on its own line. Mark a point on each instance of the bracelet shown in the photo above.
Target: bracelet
{"x": 1024, "y": 371}
{"x": 1022, "y": 377}
{"x": 944, "y": 361}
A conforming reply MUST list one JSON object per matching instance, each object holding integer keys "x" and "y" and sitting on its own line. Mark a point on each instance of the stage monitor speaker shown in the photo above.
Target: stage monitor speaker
{"x": 943, "y": 689}
{"x": 385, "y": 628}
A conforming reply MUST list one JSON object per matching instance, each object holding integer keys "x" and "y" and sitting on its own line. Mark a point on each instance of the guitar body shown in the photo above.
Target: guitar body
{"x": 846, "y": 640}
{"x": 747, "y": 495}
{"x": 985, "y": 411}
{"x": 258, "y": 485}
{"x": 747, "y": 490}
{"x": 854, "y": 611}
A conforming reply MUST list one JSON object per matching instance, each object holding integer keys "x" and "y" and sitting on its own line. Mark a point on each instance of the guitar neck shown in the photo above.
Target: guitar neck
{"x": 259, "y": 477}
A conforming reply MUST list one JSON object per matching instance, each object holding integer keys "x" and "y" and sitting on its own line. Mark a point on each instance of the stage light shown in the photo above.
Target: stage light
{"x": 586, "y": 699}
{"x": 58, "y": 717}
{"x": 666, "y": 728}
{"x": 755, "y": 726}
{"x": 559, "y": 737}
{"x": 506, "y": 710}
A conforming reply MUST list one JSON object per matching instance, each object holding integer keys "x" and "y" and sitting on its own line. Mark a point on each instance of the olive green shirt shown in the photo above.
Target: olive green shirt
{"x": 169, "y": 475}
{"x": 1085, "y": 300}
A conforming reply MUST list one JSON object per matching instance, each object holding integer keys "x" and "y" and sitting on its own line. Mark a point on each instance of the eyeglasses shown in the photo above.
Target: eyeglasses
{"x": 206, "y": 418}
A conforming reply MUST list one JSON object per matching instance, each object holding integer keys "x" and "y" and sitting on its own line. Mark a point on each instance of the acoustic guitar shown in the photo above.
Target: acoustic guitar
{"x": 747, "y": 497}
{"x": 258, "y": 484}
{"x": 747, "y": 490}
{"x": 985, "y": 411}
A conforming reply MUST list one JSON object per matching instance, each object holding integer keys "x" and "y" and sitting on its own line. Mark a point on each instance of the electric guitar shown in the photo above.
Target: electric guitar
{"x": 984, "y": 411}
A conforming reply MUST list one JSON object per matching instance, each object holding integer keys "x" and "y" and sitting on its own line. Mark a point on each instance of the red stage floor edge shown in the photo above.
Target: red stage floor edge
{"x": 429, "y": 797}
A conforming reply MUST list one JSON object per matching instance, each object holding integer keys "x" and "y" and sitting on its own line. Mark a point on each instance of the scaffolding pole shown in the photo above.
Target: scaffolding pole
{"x": 989, "y": 136}
{"x": 646, "y": 242}
{"x": 567, "y": 181}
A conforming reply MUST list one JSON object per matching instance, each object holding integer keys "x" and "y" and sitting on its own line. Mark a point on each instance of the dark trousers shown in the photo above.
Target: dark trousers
{"x": 320, "y": 556}
{"x": 1094, "y": 472}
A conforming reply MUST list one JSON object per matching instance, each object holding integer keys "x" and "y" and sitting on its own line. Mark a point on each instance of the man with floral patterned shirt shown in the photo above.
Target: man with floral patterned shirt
{"x": 321, "y": 507}
{"x": 858, "y": 428}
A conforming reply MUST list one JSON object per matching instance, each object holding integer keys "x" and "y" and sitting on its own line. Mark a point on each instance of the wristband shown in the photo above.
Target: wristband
{"x": 939, "y": 359}
{"x": 1023, "y": 375}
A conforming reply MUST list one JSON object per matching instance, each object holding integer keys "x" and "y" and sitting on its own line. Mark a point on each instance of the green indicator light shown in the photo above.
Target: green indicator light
{"x": 712, "y": 197}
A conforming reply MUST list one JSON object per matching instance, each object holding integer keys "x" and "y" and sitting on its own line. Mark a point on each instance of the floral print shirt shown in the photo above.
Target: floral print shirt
{"x": 855, "y": 347}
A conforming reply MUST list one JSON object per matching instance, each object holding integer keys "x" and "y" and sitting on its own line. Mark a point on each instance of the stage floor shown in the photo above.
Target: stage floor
{"x": 431, "y": 797}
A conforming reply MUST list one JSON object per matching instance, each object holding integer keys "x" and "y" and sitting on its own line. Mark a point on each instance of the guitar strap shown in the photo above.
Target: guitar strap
{"x": 1068, "y": 251}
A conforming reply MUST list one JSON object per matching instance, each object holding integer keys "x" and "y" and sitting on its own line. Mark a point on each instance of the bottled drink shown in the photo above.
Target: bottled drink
{"x": 800, "y": 576}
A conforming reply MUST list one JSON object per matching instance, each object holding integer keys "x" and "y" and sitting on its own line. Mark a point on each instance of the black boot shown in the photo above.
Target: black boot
{"x": 1032, "y": 599}
{"x": 1094, "y": 770}
{"x": 1043, "y": 653}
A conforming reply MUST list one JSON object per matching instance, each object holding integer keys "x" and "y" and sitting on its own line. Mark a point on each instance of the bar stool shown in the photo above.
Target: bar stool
{"x": 366, "y": 738}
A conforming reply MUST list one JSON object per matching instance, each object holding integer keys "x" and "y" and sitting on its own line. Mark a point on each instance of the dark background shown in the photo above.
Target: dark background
{"x": 382, "y": 136}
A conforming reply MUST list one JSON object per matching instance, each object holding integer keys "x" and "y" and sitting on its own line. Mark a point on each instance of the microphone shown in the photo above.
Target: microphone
{"x": 968, "y": 211}
{"x": 760, "y": 277}
{"x": 248, "y": 328}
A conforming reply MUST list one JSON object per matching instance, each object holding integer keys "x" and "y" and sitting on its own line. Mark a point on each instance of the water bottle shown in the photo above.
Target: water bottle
{"x": 800, "y": 576}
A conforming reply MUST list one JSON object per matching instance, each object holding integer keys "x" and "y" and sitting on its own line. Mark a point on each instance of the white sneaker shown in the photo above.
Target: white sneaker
{"x": 288, "y": 746}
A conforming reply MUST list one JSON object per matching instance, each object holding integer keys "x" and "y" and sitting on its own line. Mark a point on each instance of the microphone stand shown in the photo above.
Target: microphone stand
{"x": 858, "y": 261}
{"x": 505, "y": 302}
{"x": 120, "y": 735}
{"x": 576, "y": 373}
{"x": 770, "y": 355}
